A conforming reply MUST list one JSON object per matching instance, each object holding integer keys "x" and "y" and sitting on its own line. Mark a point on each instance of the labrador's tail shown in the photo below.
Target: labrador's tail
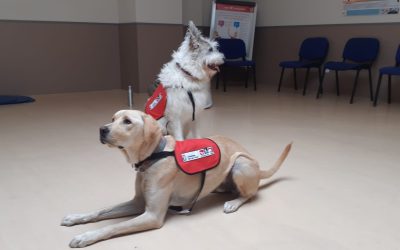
{"x": 268, "y": 173}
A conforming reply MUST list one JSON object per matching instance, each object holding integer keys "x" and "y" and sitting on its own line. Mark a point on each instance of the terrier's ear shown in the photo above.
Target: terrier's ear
{"x": 193, "y": 34}
{"x": 192, "y": 29}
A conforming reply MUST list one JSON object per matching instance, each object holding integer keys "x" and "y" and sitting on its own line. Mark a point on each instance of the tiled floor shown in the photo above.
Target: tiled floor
{"x": 338, "y": 189}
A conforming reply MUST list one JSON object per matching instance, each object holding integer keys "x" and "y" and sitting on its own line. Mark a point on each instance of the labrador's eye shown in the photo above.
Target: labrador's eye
{"x": 127, "y": 121}
{"x": 112, "y": 120}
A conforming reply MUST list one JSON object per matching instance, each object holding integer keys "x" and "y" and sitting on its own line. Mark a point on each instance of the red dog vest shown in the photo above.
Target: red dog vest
{"x": 155, "y": 105}
{"x": 197, "y": 155}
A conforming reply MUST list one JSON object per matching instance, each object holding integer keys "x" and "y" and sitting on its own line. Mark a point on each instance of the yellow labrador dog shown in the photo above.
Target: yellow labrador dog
{"x": 161, "y": 184}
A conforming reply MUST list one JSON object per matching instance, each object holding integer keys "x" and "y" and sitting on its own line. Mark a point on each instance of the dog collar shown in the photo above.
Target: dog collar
{"x": 187, "y": 73}
{"x": 157, "y": 154}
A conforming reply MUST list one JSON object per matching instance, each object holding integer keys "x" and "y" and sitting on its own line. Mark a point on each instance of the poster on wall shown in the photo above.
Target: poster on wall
{"x": 370, "y": 7}
{"x": 234, "y": 19}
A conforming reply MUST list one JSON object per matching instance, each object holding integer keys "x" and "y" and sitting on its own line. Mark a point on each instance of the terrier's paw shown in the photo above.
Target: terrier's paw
{"x": 84, "y": 239}
{"x": 73, "y": 219}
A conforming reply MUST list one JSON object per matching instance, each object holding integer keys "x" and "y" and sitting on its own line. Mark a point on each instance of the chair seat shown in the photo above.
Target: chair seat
{"x": 234, "y": 51}
{"x": 245, "y": 63}
{"x": 343, "y": 66}
{"x": 358, "y": 53}
{"x": 298, "y": 64}
{"x": 390, "y": 71}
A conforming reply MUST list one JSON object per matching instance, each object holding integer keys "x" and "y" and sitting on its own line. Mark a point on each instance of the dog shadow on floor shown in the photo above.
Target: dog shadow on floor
{"x": 215, "y": 201}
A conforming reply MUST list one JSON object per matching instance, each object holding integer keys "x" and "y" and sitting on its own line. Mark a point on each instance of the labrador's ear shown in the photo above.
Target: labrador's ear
{"x": 151, "y": 129}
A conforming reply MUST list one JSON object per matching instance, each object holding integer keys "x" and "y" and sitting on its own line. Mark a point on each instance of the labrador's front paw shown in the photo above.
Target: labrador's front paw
{"x": 73, "y": 219}
{"x": 84, "y": 239}
{"x": 231, "y": 206}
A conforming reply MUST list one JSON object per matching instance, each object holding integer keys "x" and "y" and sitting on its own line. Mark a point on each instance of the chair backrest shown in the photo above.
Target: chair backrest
{"x": 232, "y": 48}
{"x": 314, "y": 49}
{"x": 361, "y": 50}
{"x": 398, "y": 57}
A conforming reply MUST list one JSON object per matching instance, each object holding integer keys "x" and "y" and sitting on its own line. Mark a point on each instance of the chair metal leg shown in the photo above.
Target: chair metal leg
{"x": 319, "y": 91}
{"x": 254, "y": 78}
{"x": 389, "y": 89}
{"x": 370, "y": 85}
{"x": 377, "y": 90}
{"x": 320, "y": 77}
{"x": 306, "y": 81}
{"x": 247, "y": 77}
{"x": 354, "y": 87}
{"x": 295, "y": 79}
{"x": 337, "y": 82}
{"x": 217, "y": 83}
{"x": 280, "y": 79}
{"x": 224, "y": 79}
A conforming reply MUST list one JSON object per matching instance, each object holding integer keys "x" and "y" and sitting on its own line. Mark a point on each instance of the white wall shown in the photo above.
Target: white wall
{"x": 159, "y": 11}
{"x": 192, "y": 10}
{"x": 270, "y": 12}
{"x": 199, "y": 11}
{"x": 288, "y": 13}
{"x": 150, "y": 11}
{"x": 310, "y": 12}
{"x": 126, "y": 11}
{"x": 97, "y": 11}
{"x": 101, "y": 11}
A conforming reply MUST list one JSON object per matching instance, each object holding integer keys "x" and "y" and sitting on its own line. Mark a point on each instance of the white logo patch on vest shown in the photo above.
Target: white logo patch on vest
{"x": 197, "y": 154}
{"x": 155, "y": 102}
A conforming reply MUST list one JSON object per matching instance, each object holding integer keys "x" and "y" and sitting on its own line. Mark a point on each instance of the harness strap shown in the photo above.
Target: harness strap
{"x": 180, "y": 209}
{"x": 193, "y": 103}
{"x": 159, "y": 148}
{"x": 153, "y": 157}
{"x": 202, "y": 181}
{"x": 189, "y": 92}
{"x": 163, "y": 154}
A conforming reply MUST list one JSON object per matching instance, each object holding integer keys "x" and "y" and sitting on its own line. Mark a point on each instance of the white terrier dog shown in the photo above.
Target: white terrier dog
{"x": 184, "y": 88}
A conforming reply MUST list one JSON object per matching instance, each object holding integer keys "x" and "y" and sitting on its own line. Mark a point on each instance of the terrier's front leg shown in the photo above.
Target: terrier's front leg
{"x": 194, "y": 130}
{"x": 175, "y": 129}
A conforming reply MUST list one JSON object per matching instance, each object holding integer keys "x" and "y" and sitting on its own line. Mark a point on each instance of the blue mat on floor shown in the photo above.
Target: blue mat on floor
{"x": 9, "y": 99}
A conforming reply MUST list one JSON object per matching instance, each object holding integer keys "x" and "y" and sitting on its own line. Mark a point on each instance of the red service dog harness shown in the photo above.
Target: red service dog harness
{"x": 197, "y": 155}
{"x": 156, "y": 104}
{"x": 193, "y": 156}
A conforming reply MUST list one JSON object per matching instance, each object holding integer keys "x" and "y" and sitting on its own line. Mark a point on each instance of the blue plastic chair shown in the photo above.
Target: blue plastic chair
{"x": 358, "y": 54}
{"x": 388, "y": 71}
{"x": 234, "y": 51}
{"x": 312, "y": 54}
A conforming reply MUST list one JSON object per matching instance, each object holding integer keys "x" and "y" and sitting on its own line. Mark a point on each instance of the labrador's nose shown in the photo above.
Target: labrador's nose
{"x": 103, "y": 133}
